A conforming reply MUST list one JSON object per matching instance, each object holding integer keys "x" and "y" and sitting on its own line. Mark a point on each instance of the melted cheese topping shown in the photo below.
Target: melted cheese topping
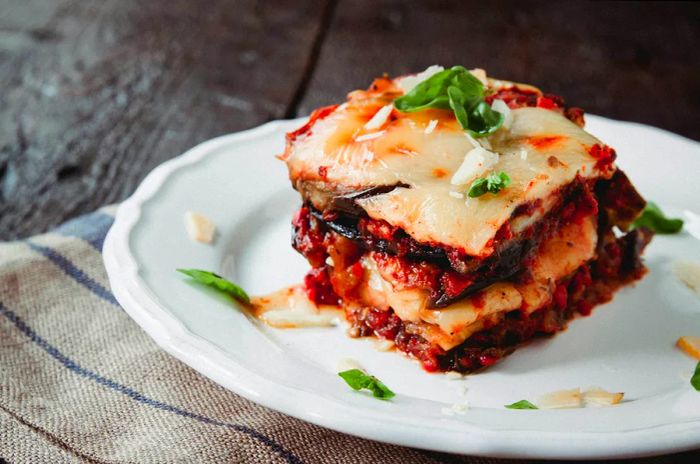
{"x": 335, "y": 152}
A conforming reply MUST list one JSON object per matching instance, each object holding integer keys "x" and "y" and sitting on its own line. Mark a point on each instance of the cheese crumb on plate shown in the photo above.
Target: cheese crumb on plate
{"x": 688, "y": 272}
{"x": 199, "y": 227}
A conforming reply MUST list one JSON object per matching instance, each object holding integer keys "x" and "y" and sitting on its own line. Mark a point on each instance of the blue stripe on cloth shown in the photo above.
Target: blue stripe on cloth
{"x": 133, "y": 394}
{"x": 91, "y": 227}
{"x": 74, "y": 272}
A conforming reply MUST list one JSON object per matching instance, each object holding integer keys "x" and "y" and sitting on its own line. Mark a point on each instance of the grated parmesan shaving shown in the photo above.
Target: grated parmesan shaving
{"x": 574, "y": 398}
{"x": 502, "y": 107}
{"x": 199, "y": 227}
{"x": 476, "y": 162}
{"x": 370, "y": 136}
{"x": 380, "y": 117}
{"x": 688, "y": 272}
{"x": 600, "y": 397}
{"x": 562, "y": 399}
{"x": 431, "y": 126}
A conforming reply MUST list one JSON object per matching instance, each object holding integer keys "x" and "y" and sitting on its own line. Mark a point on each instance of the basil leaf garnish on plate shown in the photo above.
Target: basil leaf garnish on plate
{"x": 695, "y": 379}
{"x": 219, "y": 283}
{"x": 358, "y": 380}
{"x": 522, "y": 404}
{"x": 493, "y": 183}
{"x": 654, "y": 219}
{"x": 456, "y": 89}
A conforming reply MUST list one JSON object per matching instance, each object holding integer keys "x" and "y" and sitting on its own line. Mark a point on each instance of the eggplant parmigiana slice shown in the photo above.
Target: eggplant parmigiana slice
{"x": 459, "y": 243}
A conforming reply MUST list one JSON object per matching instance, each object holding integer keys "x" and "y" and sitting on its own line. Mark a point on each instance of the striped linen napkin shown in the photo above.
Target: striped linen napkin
{"x": 81, "y": 382}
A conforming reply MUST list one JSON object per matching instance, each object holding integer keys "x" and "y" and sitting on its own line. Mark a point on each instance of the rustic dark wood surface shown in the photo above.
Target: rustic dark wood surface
{"x": 94, "y": 94}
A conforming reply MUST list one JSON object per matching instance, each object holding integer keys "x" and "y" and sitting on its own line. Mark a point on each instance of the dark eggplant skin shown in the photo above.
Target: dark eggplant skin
{"x": 504, "y": 264}
{"x": 348, "y": 227}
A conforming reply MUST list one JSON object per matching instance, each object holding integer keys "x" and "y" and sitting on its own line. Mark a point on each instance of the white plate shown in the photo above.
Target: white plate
{"x": 627, "y": 345}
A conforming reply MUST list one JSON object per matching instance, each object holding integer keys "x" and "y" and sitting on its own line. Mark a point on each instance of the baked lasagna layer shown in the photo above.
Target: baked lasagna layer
{"x": 454, "y": 281}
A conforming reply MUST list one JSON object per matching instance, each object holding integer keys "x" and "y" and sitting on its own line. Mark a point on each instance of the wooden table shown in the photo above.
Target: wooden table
{"x": 95, "y": 94}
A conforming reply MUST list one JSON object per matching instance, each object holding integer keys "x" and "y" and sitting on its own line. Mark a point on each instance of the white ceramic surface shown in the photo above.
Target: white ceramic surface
{"x": 626, "y": 345}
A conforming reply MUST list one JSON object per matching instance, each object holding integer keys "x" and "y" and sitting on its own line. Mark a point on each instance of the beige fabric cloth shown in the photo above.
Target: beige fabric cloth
{"x": 81, "y": 382}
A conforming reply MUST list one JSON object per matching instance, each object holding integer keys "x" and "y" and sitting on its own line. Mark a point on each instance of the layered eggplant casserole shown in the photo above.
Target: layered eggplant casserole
{"x": 460, "y": 216}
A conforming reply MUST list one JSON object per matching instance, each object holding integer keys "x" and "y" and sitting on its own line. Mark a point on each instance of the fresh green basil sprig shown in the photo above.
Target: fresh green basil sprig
{"x": 456, "y": 89}
{"x": 522, "y": 404}
{"x": 358, "y": 380}
{"x": 219, "y": 283}
{"x": 492, "y": 183}
{"x": 653, "y": 218}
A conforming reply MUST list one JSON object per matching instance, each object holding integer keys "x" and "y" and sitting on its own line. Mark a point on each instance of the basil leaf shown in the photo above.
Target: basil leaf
{"x": 216, "y": 281}
{"x": 494, "y": 183}
{"x": 695, "y": 379}
{"x": 357, "y": 380}
{"x": 456, "y": 89}
{"x": 432, "y": 92}
{"x": 483, "y": 120}
{"x": 522, "y": 404}
{"x": 457, "y": 101}
{"x": 654, "y": 219}
{"x": 478, "y": 188}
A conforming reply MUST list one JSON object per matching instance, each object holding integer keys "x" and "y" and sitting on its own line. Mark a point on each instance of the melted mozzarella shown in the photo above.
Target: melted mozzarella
{"x": 428, "y": 213}
{"x": 404, "y": 152}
